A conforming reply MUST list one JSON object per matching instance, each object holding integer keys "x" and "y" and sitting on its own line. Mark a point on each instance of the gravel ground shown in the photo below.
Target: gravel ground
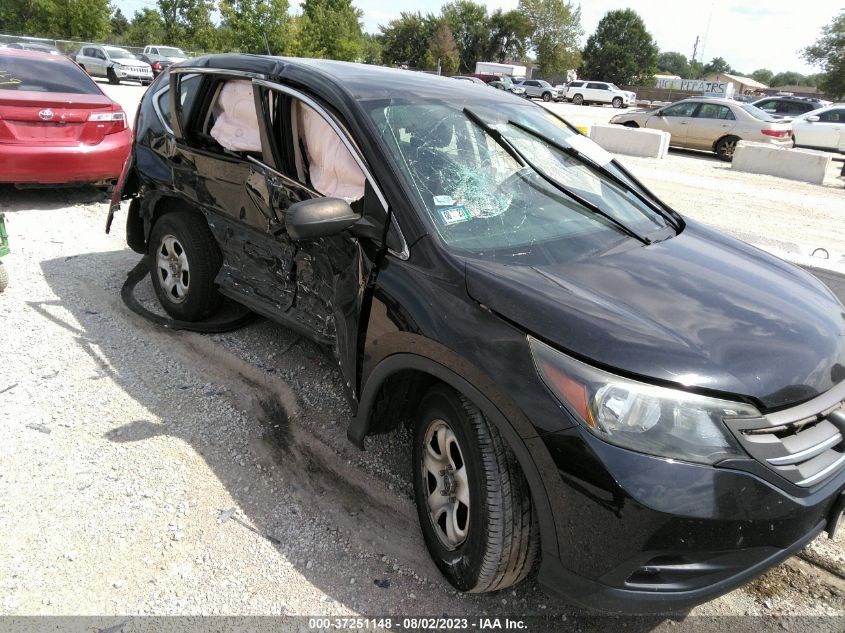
{"x": 144, "y": 471}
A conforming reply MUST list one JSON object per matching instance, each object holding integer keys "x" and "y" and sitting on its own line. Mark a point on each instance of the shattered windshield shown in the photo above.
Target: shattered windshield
{"x": 481, "y": 198}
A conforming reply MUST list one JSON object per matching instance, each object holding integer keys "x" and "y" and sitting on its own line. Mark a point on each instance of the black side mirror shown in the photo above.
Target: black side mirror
{"x": 319, "y": 217}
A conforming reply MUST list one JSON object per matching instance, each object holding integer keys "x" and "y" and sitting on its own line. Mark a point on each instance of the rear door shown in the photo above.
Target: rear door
{"x": 676, "y": 120}
{"x": 712, "y": 121}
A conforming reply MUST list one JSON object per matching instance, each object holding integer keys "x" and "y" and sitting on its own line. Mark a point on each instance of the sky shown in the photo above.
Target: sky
{"x": 749, "y": 34}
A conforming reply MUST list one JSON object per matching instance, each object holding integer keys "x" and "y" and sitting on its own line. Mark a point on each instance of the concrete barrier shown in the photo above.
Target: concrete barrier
{"x": 632, "y": 141}
{"x": 805, "y": 165}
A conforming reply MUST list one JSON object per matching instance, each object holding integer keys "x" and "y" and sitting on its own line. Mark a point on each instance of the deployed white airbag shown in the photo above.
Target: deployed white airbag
{"x": 331, "y": 167}
{"x": 236, "y": 122}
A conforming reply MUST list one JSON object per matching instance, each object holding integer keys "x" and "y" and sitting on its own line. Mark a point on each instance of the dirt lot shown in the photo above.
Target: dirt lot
{"x": 149, "y": 472}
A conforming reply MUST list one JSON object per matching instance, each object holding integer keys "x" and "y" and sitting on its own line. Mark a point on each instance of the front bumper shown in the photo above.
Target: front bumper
{"x": 70, "y": 164}
{"x": 641, "y": 534}
{"x": 134, "y": 75}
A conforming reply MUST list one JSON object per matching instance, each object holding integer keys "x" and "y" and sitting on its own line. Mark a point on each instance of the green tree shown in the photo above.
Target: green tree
{"x": 828, "y": 52}
{"x": 254, "y": 26}
{"x": 118, "y": 23}
{"x": 788, "y": 78}
{"x": 717, "y": 65}
{"x": 405, "y": 39}
{"x": 187, "y": 23}
{"x": 146, "y": 27}
{"x": 763, "y": 75}
{"x": 556, "y": 28}
{"x": 509, "y": 33}
{"x": 331, "y": 29}
{"x": 371, "y": 48}
{"x": 674, "y": 63}
{"x": 621, "y": 50}
{"x": 442, "y": 46}
{"x": 470, "y": 27}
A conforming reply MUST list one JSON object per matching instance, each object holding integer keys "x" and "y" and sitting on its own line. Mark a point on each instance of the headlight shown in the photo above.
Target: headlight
{"x": 638, "y": 416}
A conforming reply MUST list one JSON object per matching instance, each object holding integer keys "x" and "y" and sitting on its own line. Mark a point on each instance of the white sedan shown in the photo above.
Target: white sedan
{"x": 821, "y": 129}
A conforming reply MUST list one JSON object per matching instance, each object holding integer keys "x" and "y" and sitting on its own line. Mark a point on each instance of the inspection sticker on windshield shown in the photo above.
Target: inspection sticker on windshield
{"x": 453, "y": 215}
{"x": 443, "y": 201}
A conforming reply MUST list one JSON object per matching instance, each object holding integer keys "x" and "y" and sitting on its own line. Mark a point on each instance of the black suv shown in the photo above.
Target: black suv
{"x": 780, "y": 107}
{"x": 648, "y": 410}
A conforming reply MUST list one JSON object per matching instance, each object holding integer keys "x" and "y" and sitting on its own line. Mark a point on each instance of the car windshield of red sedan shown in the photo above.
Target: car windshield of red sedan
{"x": 44, "y": 75}
{"x": 480, "y": 198}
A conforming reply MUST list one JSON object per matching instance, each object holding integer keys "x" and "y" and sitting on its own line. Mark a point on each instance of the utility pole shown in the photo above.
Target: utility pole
{"x": 694, "y": 50}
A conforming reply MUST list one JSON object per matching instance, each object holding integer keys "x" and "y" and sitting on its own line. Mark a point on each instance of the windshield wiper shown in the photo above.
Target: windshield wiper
{"x": 596, "y": 167}
{"x": 509, "y": 147}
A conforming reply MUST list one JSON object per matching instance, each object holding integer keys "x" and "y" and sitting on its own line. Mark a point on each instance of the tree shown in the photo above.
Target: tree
{"x": 470, "y": 28}
{"x": 621, "y": 50}
{"x": 556, "y": 28}
{"x": 828, "y": 52}
{"x": 118, "y": 23}
{"x": 145, "y": 28}
{"x": 254, "y": 26}
{"x": 187, "y": 23}
{"x": 674, "y": 63}
{"x": 330, "y": 29}
{"x": 789, "y": 78}
{"x": 371, "y": 48}
{"x": 509, "y": 33}
{"x": 405, "y": 39}
{"x": 763, "y": 75}
{"x": 717, "y": 65}
{"x": 442, "y": 46}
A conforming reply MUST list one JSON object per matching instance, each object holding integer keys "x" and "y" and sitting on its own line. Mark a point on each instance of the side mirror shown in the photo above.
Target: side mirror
{"x": 813, "y": 119}
{"x": 319, "y": 217}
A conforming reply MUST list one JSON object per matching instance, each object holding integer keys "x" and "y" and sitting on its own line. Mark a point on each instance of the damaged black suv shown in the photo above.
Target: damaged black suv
{"x": 647, "y": 411}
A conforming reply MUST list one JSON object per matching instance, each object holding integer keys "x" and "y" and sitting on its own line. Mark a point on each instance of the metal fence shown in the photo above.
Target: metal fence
{"x": 66, "y": 47}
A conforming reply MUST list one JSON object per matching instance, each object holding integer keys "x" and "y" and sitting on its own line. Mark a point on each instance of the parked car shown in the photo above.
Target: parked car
{"x": 156, "y": 65}
{"x": 32, "y": 46}
{"x": 540, "y": 89}
{"x": 500, "y": 82}
{"x": 821, "y": 129}
{"x": 653, "y": 405}
{"x": 780, "y": 107}
{"x": 711, "y": 124}
{"x": 585, "y": 92}
{"x": 56, "y": 125}
{"x": 474, "y": 80}
{"x": 117, "y": 64}
{"x": 158, "y": 53}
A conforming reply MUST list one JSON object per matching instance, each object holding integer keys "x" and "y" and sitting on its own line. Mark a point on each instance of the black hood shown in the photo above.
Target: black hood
{"x": 700, "y": 309}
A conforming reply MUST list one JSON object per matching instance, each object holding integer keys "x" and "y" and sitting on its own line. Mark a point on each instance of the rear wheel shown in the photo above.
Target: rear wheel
{"x": 578, "y": 100}
{"x": 184, "y": 260}
{"x": 726, "y": 147}
{"x": 473, "y": 502}
{"x": 617, "y": 102}
{"x": 631, "y": 124}
{"x": 112, "y": 76}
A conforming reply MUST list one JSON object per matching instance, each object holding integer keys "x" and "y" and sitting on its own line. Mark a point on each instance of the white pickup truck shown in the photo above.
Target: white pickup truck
{"x": 584, "y": 92}
{"x": 157, "y": 53}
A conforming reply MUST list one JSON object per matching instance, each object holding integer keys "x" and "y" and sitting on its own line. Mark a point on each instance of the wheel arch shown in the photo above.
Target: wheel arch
{"x": 142, "y": 216}
{"x": 722, "y": 138}
{"x": 418, "y": 373}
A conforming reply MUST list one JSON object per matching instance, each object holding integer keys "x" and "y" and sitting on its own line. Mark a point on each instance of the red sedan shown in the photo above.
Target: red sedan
{"x": 56, "y": 125}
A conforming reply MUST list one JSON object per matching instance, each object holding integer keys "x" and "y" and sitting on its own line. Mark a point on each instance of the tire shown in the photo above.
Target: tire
{"x": 494, "y": 540}
{"x": 578, "y": 100}
{"x": 4, "y": 277}
{"x": 146, "y": 83}
{"x": 184, "y": 260}
{"x": 83, "y": 68}
{"x": 631, "y": 124}
{"x": 617, "y": 102}
{"x": 725, "y": 148}
{"x": 112, "y": 77}
{"x": 547, "y": 96}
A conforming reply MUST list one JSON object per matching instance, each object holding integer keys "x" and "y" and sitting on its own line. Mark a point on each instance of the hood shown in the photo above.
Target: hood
{"x": 700, "y": 310}
{"x": 130, "y": 62}
{"x": 174, "y": 60}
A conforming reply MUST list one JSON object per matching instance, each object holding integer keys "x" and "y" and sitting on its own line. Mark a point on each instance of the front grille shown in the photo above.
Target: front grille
{"x": 805, "y": 445}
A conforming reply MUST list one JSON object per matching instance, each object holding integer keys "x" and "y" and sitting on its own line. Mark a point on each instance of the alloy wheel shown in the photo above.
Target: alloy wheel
{"x": 173, "y": 270}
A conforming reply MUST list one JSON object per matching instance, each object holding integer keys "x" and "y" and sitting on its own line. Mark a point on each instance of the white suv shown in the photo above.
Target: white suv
{"x": 584, "y": 92}
{"x": 115, "y": 63}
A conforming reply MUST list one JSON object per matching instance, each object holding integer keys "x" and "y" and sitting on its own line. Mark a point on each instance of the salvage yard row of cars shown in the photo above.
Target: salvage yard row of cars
{"x": 661, "y": 415}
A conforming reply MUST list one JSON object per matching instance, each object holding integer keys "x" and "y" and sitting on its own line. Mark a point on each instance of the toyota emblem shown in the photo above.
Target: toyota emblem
{"x": 46, "y": 115}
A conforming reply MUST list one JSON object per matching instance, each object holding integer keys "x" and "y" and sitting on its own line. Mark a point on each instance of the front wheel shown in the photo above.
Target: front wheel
{"x": 184, "y": 260}
{"x": 617, "y": 102}
{"x": 473, "y": 502}
{"x": 112, "y": 76}
{"x": 547, "y": 96}
{"x": 578, "y": 100}
{"x": 726, "y": 147}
